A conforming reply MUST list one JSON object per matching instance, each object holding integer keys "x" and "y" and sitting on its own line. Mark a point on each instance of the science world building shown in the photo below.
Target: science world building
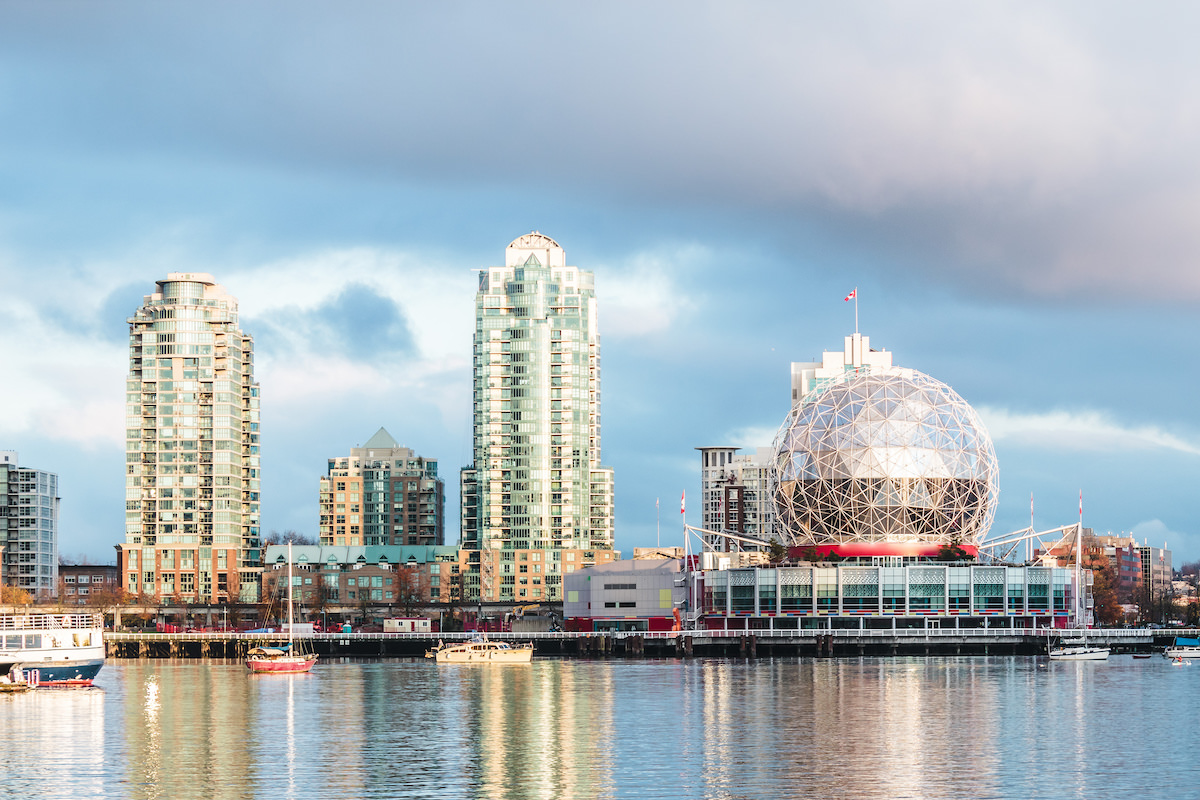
{"x": 885, "y": 484}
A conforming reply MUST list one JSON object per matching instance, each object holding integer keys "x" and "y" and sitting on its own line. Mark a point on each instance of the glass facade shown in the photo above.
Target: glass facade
{"x": 192, "y": 447}
{"x": 29, "y": 504}
{"x": 536, "y": 482}
{"x": 927, "y": 590}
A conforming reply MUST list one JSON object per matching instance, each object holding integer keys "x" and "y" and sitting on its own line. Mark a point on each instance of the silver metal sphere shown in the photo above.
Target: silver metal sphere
{"x": 886, "y": 456}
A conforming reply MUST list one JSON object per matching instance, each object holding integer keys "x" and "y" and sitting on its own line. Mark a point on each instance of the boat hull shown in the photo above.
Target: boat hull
{"x": 288, "y": 665}
{"x": 1079, "y": 654}
{"x": 481, "y": 653}
{"x": 1182, "y": 652}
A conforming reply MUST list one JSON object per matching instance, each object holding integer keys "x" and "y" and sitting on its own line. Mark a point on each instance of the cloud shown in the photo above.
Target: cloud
{"x": 358, "y": 324}
{"x": 751, "y": 438}
{"x": 646, "y": 294}
{"x": 60, "y": 384}
{"x": 1041, "y": 150}
{"x": 1154, "y": 532}
{"x": 1080, "y": 431}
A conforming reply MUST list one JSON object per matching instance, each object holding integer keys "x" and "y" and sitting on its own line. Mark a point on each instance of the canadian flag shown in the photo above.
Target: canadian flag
{"x": 683, "y": 503}
{"x": 852, "y": 295}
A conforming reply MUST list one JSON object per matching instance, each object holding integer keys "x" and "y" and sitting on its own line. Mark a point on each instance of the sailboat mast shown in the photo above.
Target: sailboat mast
{"x": 290, "y": 629}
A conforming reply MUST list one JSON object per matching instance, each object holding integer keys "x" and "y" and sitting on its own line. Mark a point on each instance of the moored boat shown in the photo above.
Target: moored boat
{"x": 481, "y": 651}
{"x": 279, "y": 660}
{"x": 282, "y": 659}
{"x": 19, "y": 680}
{"x": 1182, "y": 647}
{"x": 1078, "y": 651}
{"x": 65, "y": 649}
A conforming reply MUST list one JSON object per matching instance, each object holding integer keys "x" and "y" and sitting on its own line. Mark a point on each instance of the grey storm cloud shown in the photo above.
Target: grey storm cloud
{"x": 358, "y": 323}
{"x": 1024, "y": 148}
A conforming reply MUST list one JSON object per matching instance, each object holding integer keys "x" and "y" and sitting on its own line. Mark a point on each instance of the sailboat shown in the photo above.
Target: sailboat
{"x": 284, "y": 658}
{"x": 1079, "y": 649}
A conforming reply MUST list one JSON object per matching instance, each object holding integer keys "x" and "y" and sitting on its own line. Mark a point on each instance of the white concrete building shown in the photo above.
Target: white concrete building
{"x": 735, "y": 495}
{"x": 811, "y": 376}
{"x": 192, "y": 449}
{"x": 29, "y": 504}
{"x": 536, "y": 481}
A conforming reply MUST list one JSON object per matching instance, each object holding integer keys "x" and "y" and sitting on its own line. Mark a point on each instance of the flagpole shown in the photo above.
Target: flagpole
{"x": 657, "y": 525}
{"x": 856, "y": 309}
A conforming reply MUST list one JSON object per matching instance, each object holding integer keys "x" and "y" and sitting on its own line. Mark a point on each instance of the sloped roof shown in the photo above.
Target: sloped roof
{"x": 382, "y": 440}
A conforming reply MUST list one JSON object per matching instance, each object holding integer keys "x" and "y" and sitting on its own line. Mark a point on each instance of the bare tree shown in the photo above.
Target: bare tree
{"x": 412, "y": 588}
{"x": 288, "y": 537}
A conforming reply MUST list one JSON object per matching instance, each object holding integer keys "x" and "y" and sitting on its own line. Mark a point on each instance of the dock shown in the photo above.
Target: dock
{"x": 816, "y": 643}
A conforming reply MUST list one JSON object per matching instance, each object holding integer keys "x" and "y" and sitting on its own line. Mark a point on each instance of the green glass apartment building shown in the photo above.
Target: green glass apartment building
{"x": 192, "y": 448}
{"x": 536, "y": 482}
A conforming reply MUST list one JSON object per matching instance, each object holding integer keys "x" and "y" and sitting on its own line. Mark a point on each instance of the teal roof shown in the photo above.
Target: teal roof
{"x": 382, "y": 440}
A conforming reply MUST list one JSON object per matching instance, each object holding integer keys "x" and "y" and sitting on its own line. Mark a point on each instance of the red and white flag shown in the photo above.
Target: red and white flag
{"x": 683, "y": 502}
{"x": 852, "y": 295}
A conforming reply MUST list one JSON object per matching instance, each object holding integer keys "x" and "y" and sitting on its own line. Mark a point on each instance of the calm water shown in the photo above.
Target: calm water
{"x": 855, "y": 728}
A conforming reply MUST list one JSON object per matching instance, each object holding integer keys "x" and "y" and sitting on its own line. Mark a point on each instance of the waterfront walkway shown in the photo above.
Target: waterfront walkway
{"x": 639, "y": 644}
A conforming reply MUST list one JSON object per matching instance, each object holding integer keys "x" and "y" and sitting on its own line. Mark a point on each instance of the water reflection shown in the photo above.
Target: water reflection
{"x": 869, "y": 728}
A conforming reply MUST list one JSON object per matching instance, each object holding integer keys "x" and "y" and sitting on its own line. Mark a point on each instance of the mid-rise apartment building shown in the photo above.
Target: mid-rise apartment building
{"x": 735, "y": 497}
{"x": 382, "y": 494}
{"x": 29, "y": 505}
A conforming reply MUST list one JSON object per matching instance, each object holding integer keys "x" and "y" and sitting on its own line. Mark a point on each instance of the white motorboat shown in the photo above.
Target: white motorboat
{"x": 1183, "y": 647}
{"x": 481, "y": 651}
{"x": 1078, "y": 651}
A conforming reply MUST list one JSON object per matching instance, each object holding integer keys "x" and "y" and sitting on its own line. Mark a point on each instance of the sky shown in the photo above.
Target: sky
{"x": 1014, "y": 189}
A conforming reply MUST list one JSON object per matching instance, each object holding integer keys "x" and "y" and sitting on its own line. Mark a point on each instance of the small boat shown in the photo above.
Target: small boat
{"x": 279, "y": 660}
{"x": 481, "y": 651}
{"x": 282, "y": 659}
{"x": 1078, "y": 651}
{"x": 65, "y": 649}
{"x": 1183, "y": 647}
{"x": 1141, "y": 655}
{"x": 19, "y": 680}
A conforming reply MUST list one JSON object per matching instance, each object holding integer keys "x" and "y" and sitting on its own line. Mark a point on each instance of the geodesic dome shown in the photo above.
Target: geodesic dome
{"x": 890, "y": 456}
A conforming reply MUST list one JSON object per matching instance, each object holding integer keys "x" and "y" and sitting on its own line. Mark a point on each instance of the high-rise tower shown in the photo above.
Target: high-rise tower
{"x": 192, "y": 459}
{"x": 536, "y": 482}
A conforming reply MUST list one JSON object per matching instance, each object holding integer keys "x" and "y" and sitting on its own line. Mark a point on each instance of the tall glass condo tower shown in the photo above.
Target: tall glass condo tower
{"x": 536, "y": 482}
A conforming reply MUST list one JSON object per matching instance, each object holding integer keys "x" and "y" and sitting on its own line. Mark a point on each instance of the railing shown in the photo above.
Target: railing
{"x": 44, "y": 622}
{"x": 1102, "y": 634}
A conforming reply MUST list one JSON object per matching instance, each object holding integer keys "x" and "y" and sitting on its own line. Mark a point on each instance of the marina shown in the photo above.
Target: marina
{"x": 816, "y": 642}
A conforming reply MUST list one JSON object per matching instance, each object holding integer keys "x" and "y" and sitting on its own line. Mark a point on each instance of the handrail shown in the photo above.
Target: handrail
{"x": 1098, "y": 634}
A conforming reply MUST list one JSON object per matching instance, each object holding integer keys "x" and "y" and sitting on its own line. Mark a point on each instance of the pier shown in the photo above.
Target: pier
{"x": 816, "y": 643}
